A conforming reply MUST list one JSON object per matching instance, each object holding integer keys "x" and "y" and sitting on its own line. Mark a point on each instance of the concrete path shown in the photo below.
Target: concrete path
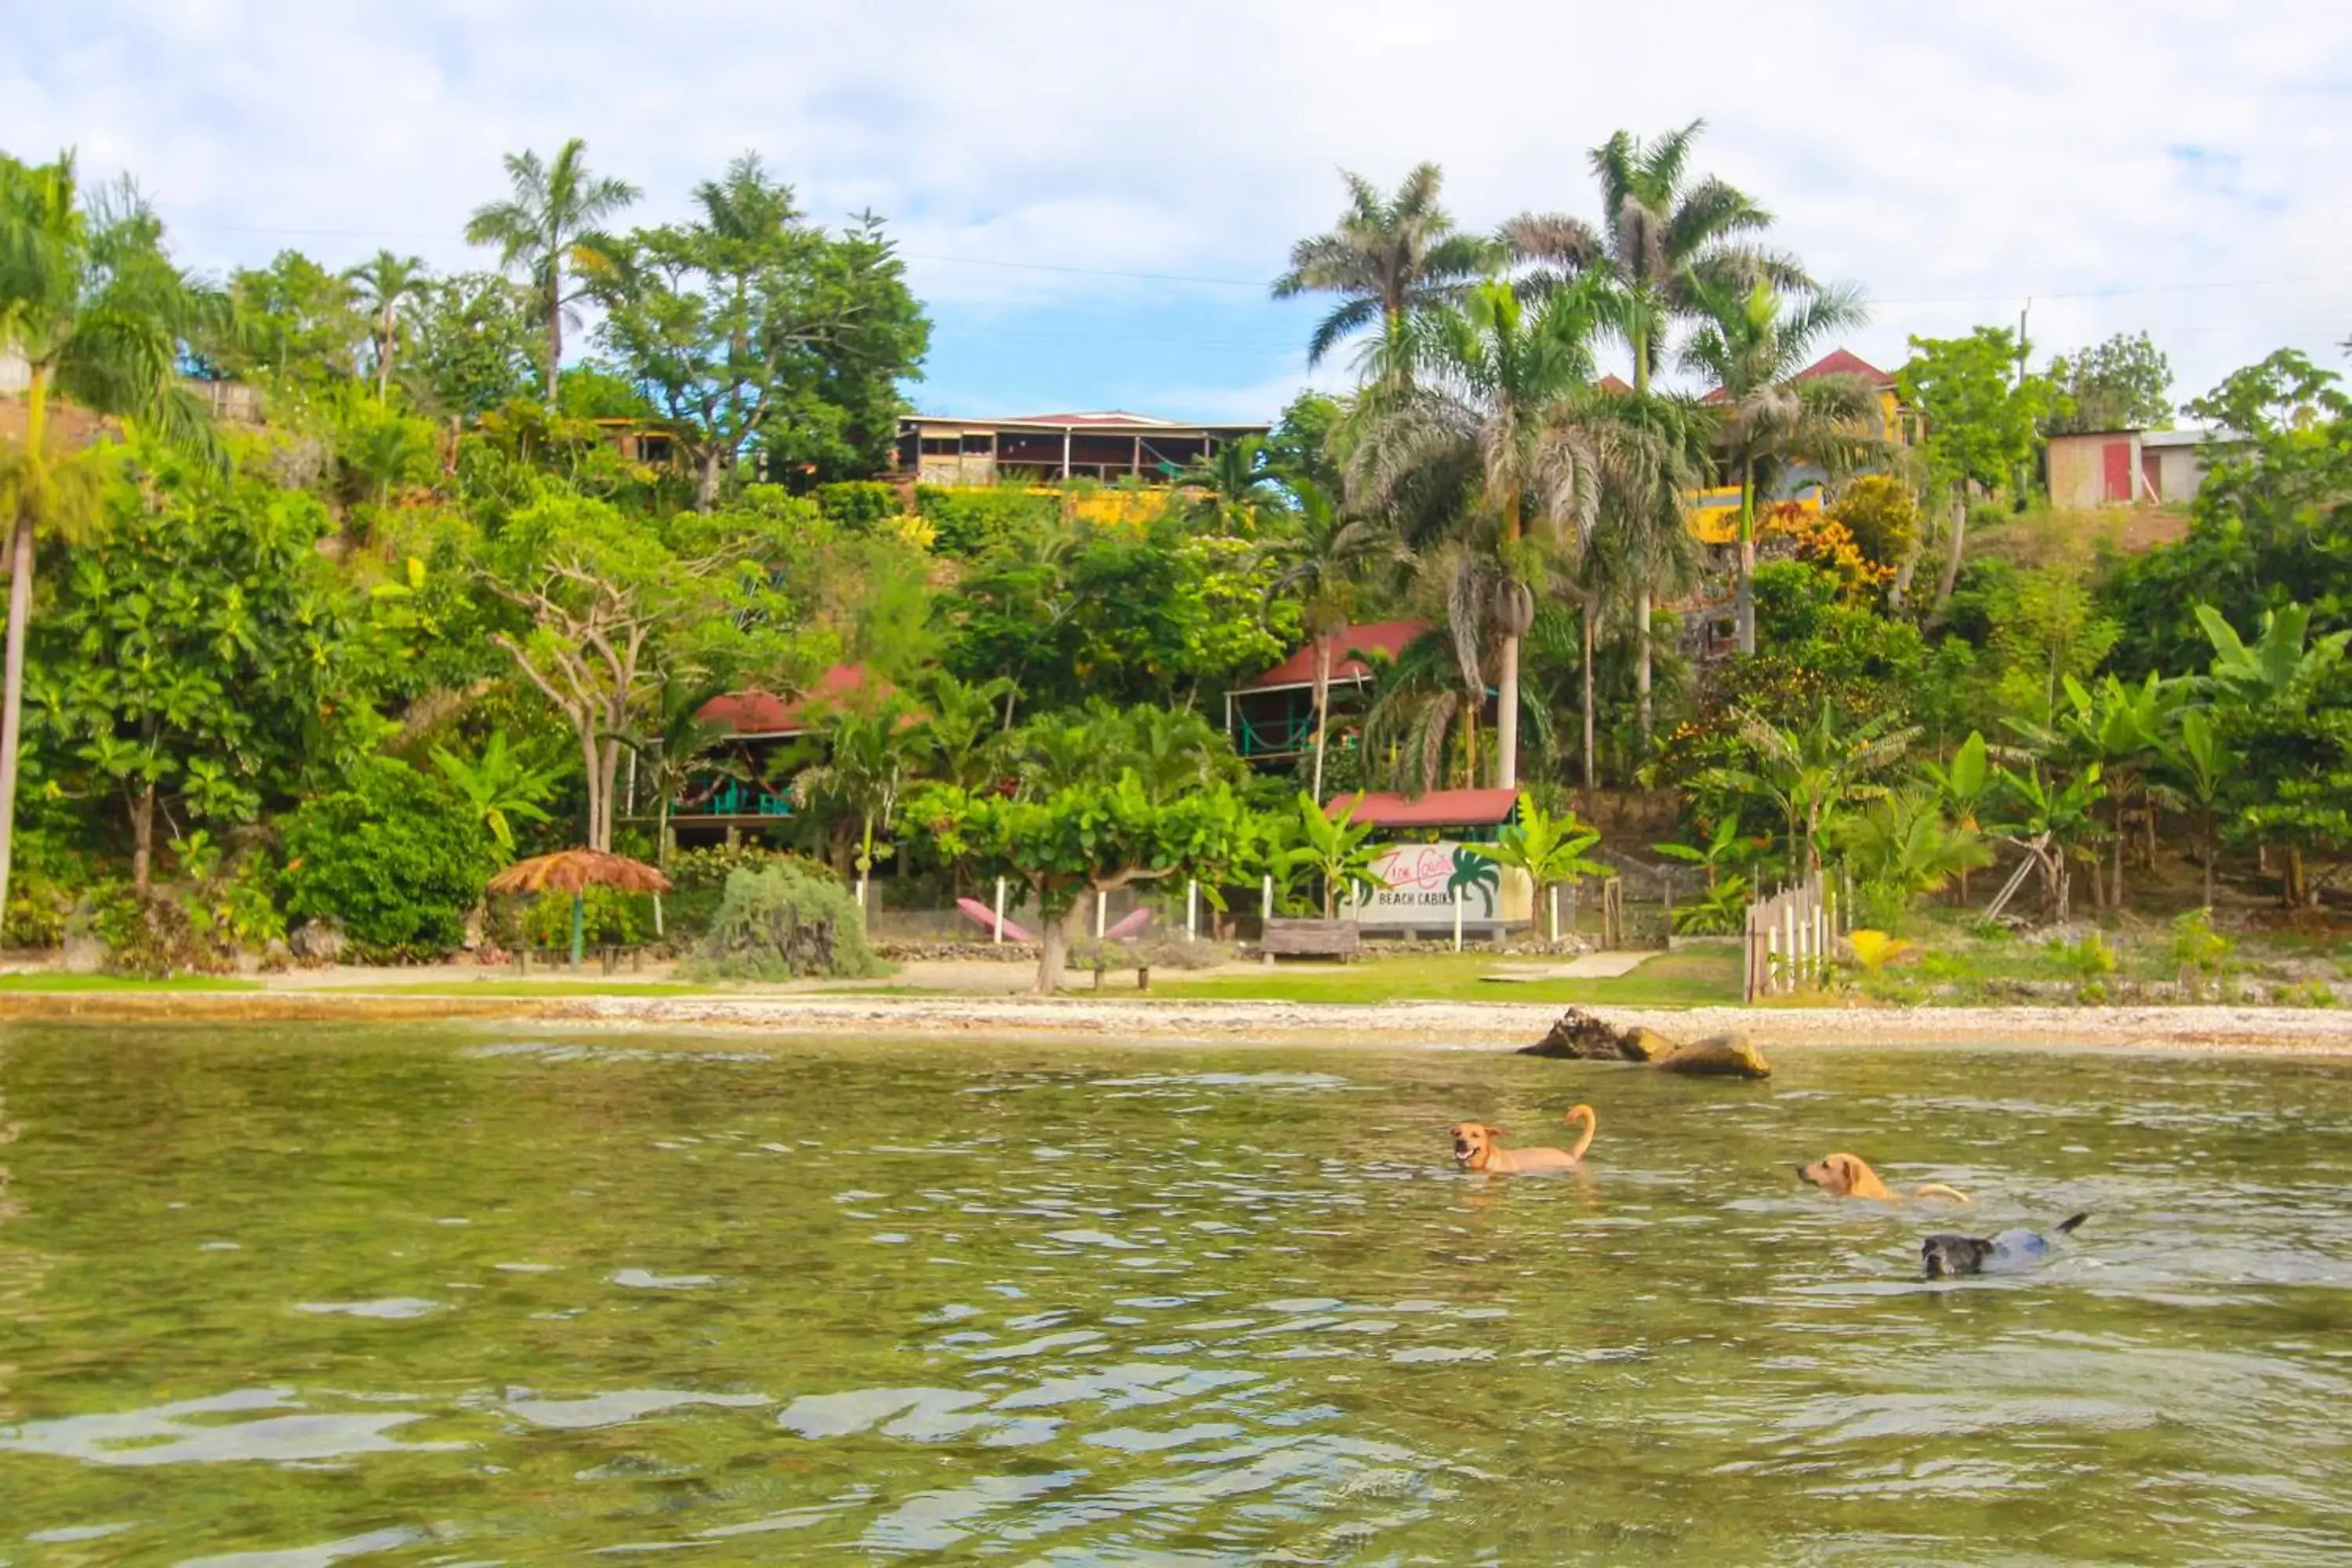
{"x": 1591, "y": 966}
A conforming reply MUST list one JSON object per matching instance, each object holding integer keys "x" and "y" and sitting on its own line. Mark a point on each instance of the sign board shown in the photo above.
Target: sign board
{"x": 1421, "y": 880}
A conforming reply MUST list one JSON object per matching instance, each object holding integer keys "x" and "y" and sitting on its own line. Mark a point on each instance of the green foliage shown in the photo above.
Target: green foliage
{"x": 1337, "y": 850}
{"x": 1725, "y": 849}
{"x": 784, "y": 923}
{"x": 608, "y": 918}
{"x": 1883, "y": 514}
{"x": 153, "y": 937}
{"x": 2090, "y": 959}
{"x": 396, "y": 858}
{"x": 1549, "y": 847}
{"x": 1902, "y": 842}
{"x": 1718, "y": 911}
{"x": 476, "y": 345}
{"x": 1983, "y": 419}
{"x": 503, "y": 786}
{"x": 2197, "y": 947}
{"x": 2124, "y": 384}
{"x": 858, "y": 505}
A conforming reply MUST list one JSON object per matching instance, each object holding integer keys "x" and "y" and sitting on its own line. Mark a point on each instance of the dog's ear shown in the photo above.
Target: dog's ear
{"x": 1495, "y": 1131}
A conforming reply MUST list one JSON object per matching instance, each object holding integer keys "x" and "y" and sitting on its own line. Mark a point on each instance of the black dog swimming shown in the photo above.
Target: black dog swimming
{"x": 1953, "y": 1256}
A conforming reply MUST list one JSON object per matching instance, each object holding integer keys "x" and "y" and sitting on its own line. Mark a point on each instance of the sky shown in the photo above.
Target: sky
{"x": 1092, "y": 198}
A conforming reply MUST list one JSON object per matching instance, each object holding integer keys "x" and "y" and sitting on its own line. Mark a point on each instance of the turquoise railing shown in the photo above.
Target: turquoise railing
{"x": 1275, "y": 736}
{"x": 733, "y": 797}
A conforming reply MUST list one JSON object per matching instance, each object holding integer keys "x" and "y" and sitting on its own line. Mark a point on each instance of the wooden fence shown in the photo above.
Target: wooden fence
{"x": 1791, "y": 939}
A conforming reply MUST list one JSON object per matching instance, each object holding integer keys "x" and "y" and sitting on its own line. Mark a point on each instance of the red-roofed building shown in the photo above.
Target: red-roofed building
{"x": 1272, "y": 719}
{"x": 754, "y": 791}
{"x": 1476, "y": 812}
{"x": 1113, "y": 444}
{"x": 1901, "y": 424}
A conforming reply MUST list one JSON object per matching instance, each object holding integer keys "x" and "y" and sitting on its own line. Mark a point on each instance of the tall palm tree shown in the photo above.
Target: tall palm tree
{"x": 91, "y": 303}
{"x": 1389, "y": 259}
{"x": 1236, "y": 484}
{"x": 1322, "y": 559}
{"x": 1664, "y": 237}
{"x": 543, "y": 227}
{"x": 1753, "y": 343}
{"x": 384, "y": 280}
{"x": 1508, "y": 431}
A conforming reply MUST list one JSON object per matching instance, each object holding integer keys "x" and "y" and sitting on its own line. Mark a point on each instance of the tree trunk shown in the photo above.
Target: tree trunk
{"x": 384, "y": 358}
{"x": 2116, "y": 888}
{"x": 1322, "y": 710}
{"x": 1901, "y": 590}
{"x": 2210, "y": 850}
{"x": 554, "y": 327}
{"x": 1642, "y": 666}
{"x": 1952, "y": 546}
{"x": 12, "y": 701}
{"x": 589, "y": 773}
{"x": 1591, "y": 763}
{"x": 1743, "y": 603}
{"x": 1506, "y": 717}
{"x": 1052, "y": 955}
{"x": 708, "y": 473}
{"x": 142, "y": 839}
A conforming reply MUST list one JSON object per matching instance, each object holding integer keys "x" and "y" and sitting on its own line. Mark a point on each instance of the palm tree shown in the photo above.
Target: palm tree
{"x": 1662, "y": 239}
{"x": 1391, "y": 259}
{"x": 1236, "y": 484}
{"x": 545, "y": 226}
{"x": 1322, "y": 561}
{"x": 383, "y": 281}
{"x": 1753, "y": 344}
{"x": 1509, "y": 431}
{"x": 97, "y": 311}
{"x": 868, "y": 759}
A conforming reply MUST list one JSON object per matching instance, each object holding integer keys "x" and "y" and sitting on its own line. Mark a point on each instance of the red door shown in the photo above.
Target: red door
{"x": 2119, "y": 472}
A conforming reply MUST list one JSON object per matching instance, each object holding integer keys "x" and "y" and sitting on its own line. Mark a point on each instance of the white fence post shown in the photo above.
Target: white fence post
{"x": 1554, "y": 901}
{"x": 1457, "y": 919}
{"x": 996, "y": 933}
{"x": 1191, "y": 910}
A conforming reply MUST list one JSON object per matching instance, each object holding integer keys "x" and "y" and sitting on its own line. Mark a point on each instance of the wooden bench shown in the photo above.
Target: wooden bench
{"x": 1341, "y": 940}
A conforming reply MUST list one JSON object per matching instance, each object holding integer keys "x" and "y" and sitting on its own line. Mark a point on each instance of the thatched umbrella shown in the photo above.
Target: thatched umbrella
{"x": 574, "y": 871}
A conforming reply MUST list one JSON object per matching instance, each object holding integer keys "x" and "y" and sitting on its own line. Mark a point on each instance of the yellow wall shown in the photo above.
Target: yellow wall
{"x": 1714, "y": 515}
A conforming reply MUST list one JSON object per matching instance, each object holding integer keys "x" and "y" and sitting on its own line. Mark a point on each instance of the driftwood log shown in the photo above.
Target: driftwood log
{"x": 1580, "y": 1036}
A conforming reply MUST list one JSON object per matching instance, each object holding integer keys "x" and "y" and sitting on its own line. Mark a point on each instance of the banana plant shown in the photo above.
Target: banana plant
{"x": 504, "y": 785}
{"x": 1727, "y": 848}
{"x": 1339, "y": 850}
{"x": 1548, "y": 848}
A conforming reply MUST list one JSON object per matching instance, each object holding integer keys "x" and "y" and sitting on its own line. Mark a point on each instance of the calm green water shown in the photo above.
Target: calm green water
{"x": 302, "y": 1298}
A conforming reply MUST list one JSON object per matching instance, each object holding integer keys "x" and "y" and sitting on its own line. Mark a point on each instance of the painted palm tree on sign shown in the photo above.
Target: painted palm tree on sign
{"x": 1322, "y": 559}
{"x": 544, "y": 227}
{"x": 384, "y": 281}
{"x": 92, "y": 304}
{"x": 1391, "y": 259}
{"x": 1664, "y": 237}
{"x": 1753, "y": 344}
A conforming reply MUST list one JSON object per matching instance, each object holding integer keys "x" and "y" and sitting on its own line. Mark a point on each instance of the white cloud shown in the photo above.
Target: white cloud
{"x": 1952, "y": 163}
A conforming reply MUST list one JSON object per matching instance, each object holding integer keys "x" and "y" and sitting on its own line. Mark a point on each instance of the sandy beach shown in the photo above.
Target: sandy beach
{"x": 1156, "y": 1021}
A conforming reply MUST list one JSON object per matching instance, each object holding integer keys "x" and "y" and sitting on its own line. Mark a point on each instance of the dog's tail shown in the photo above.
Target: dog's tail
{"x": 2070, "y": 1221}
{"x": 1938, "y": 1190}
{"x": 1592, "y": 1126}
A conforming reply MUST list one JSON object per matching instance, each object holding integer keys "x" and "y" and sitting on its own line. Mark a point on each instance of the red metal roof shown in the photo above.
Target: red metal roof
{"x": 1438, "y": 808}
{"x": 1837, "y": 362}
{"x": 764, "y": 714}
{"x": 1298, "y": 669}
{"x": 1613, "y": 383}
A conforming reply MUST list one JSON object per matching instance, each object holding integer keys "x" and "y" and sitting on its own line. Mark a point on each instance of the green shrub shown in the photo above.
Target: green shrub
{"x": 2199, "y": 949}
{"x": 784, "y": 923}
{"x": 608, "y": 918}
{"x": 859, "y": 504}
{"x": 156, "y": 937}
{"x": 967, "y": 523}
{"x": 398, "y": 858}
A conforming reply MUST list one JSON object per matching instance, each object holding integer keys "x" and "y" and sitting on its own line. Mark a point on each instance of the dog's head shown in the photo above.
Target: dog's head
{"x": 1953, "y": 1256}
{"x": 1473, "y": 1144}
{"x": 1837, "y": 1175}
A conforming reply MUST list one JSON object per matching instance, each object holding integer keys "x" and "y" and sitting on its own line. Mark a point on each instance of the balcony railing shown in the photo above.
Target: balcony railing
{"x": 1282, "y": 737}
{"x": 733, "y": 797}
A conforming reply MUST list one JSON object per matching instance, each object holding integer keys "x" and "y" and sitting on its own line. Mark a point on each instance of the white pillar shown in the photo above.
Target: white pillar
{"x": 1457, "y": 919}
{"x": 1191, "y": 910}
{"x": 1266, "y": 913}
{"x": 996, "y": 936}
{"x": 1102, "y": 912}
{"x": 1554, "y": 891}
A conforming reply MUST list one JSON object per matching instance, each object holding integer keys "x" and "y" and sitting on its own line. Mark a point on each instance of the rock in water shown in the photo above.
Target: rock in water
{"x": 1718, "y": 1055}
{"x": 1580, "y": 1036}
{"x": 1646, "y": 1045}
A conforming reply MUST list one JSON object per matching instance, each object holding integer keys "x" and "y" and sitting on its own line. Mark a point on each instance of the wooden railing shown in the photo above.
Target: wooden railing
{"x": 1790, "y": 940}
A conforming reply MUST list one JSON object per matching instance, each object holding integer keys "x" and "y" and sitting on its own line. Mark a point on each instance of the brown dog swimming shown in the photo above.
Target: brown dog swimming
{"x": 1850, "y": 1176}
{"x": 1475, "y": 1148}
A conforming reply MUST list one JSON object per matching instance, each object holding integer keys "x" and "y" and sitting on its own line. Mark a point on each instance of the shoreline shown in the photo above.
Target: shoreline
{"x": 1483, "y": 1026}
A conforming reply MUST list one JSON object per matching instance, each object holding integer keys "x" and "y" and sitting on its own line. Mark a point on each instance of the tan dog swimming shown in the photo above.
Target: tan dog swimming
{"x": 1475, "y": 1149}
{"x": 1850, "y": 1176}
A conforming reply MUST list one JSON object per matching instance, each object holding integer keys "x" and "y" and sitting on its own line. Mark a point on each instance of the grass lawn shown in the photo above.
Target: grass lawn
{"x": 1694, "y": 977}
{"x": 597, "y": 987}
{"x": 123, "y": 983}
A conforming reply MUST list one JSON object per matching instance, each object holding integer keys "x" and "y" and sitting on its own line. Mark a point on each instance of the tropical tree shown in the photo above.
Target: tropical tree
{"x": 1389, "y": 259}
{"x": 1236, "y": 483}
{"x": 1322, "y": 559}
{"x": 1962, "y": 788}
{"x": 504, "y": 785}
{"x": 1903, "y": 845}
{"x": 384, "y": 281}
{"x": 545, "y": 226}
{"x": 1339, "y": 850}
{"x": 2202, "y": 762}
{"x": 93, "y": 306}
{"x": 1507, "y": 432}
{"x": 1983, "y": 418}
{"x": 747, "y": 322}
{"x": 678, "y": 750}
{"x": 1753, "y": 343}
{"x": 2122, "y": 728}
{"x": 1725, "y": 848}
{"x": 2049, "y": 822}
{"x": 1548, "y": 848}
{"x": 1809, "y": 772}
{"x": 868, "y": 759}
